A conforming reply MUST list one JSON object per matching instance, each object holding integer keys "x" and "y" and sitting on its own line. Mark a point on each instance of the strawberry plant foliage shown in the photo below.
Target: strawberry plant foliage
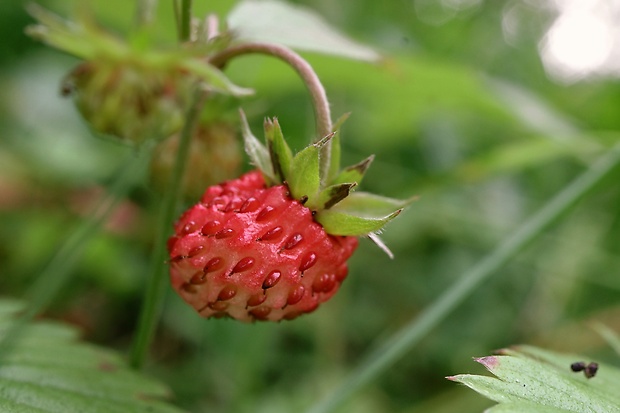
{"x": 269, "y": 245}
{"x": 529, "y": 379}
{"x": 44, "y": 368}
{"x": 294, "y": 26}
{"x": 125, "y": 89}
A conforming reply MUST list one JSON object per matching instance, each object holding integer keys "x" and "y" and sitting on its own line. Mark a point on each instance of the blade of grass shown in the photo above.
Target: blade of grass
{"x": 609, "y": 335}
{"x": 155, "y": 290}
{"x": 184, "y": 20}
{"x": 404, "y": 340}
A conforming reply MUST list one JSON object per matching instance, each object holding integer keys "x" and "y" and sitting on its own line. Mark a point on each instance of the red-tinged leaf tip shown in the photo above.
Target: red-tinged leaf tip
{"x": 270, "y": 123}
{"x": 490, "y": 362}
{"x": 451, "y": 378}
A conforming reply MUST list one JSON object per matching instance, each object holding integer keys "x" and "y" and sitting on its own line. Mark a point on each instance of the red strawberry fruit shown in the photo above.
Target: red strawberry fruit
{"x": 274, "y": 243}
{"x": 252, "y": 252}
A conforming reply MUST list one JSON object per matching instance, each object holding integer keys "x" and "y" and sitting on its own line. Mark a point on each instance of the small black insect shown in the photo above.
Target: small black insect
{"x": 588, "y": 369}
{"x": 578, "y": 366}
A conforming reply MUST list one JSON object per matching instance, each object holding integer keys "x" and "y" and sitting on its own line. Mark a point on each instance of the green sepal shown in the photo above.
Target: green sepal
{"x": 331, "y": 165}
{"x": 281, "y": 155}
{"x": 331, "y": 195}
{"x": 85, "y": 40}
{"x": 257, "y": 152}
{"x": 214, "y": 79}
{"x": 304, "y": 181}
{"x": 340, "y": 223}
{"x": 364, "y": 204}
{"x": 360, "y": 214}
{"x": 340, "y": 121}
{"x": 339, "y": 210}
{"x": 334, "y": 160}
{"x": 73, "y": 38}
{"x": 354, "y": 173}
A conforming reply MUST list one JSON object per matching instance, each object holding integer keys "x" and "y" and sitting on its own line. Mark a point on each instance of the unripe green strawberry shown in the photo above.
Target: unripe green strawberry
{"x": 128, "y": 89}
{"x": 130, "y": 100}
{"x": 214, "y": 156}
{"x": 274, "y": 243}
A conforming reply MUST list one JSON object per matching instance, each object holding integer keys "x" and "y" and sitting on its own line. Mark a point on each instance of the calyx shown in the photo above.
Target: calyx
{"x": 328, "y": 191}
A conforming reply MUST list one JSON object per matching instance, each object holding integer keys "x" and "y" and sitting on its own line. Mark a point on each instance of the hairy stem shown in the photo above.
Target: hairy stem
{"x": 309, "y": 77}
{"x": 404, "y": 340}
{"x": 155, "y": 289}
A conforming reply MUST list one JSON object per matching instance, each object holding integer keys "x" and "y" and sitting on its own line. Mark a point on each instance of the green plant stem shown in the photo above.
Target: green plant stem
{"x": 183, "y": 14}
{"x": 155, "y": 289}
{"x": 410, "y": 335}
{"x": 320, "y": 103}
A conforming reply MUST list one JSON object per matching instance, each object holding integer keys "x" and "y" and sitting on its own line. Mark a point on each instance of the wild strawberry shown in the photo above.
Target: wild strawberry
{"x": 252, "y": 252}
{"x": 274, "y": 243}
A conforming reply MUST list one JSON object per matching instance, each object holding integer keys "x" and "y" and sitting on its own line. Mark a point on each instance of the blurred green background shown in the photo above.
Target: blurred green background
{"x": 461, "y": 111}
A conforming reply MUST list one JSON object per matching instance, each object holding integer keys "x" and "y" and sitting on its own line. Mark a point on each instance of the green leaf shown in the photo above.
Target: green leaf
{"x": 369, "y": 205}
{"x": 257, "y": 152}
{"x": 354, "y": 173}
{"x": 281, "y": 155}
{"x": 78, "y": 38}
{"x": 361, "y": 213}
{"x": 44, "y": 369}
{"x": 529, "y": 379}
{"x": 523, "y": 407}
{"x": 339, "y": 223}
{"x": 294, "y": 26}
{"x": 303, "y": 180}
{"x": 214, "y": 79}
{"x": 87, "y": 41}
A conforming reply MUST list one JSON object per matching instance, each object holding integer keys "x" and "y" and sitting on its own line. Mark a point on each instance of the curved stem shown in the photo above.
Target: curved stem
{"x": 155, "y": 289}
{"x": 320, "y": 103}
{"x": 404, "y": 340}
{"x": 301, "y": 66}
